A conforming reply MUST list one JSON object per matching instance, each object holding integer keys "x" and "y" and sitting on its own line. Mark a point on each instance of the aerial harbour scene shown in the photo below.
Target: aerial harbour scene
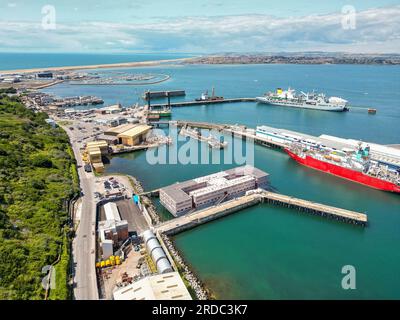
{"x": 182, "y": 158}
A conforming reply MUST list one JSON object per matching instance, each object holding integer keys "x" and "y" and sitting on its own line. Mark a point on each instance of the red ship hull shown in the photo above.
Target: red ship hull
{"x": 342, "y": 172}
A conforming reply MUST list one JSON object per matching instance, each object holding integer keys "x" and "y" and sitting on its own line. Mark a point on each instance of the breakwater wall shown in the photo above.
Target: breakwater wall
{"x": 196, "y": 285}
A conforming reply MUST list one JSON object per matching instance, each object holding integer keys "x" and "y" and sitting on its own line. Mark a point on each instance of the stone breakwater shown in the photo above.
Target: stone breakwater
{"x": 151, "y": 210}
{"x": 194, "y": 282}
{"x": 136, "y": 185}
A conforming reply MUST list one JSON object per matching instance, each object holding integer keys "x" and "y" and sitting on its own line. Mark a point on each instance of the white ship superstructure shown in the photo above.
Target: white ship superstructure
{"x": 315, "y": 101}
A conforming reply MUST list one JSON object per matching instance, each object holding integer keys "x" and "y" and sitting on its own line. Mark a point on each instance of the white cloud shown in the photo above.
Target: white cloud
{"x": 377, "y": 30}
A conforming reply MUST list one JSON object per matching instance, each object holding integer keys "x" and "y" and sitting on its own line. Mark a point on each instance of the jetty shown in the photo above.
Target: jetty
{"x": 220, "y": 100}
{"x": 212, "y": 141}
{"x": 202, "y": 102}
{"x": 163, "y": 94}
{"x": 388, "y": 153}
{"x": 194, "y": 219}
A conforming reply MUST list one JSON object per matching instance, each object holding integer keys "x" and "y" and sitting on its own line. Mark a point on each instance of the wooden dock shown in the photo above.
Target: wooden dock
{"x": 197, "y": 218}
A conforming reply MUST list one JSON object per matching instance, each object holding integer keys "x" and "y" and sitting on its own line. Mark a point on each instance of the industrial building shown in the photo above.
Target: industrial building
{"x": 95, "y": 151}
{"x": 113, "y": 230}
{"x": 161, "y": 94}
{"x": 45, "y": 74}
{"x": 134, "y": 136}
{"x": 108, "y": 138}
{"x": 180, "y": 198}
{"x": 116, "y": 108}
{"x": 94, "y": 154}
{"x": 101, "y": 144}
{"x": 120, "y": 129}
{"x": 51, "y": 122}
{"x": 111, "y": 211}
{"x": 156, "y": 252}
{"x": 156, "y": 287}
{"x": 98, "y": 167}
{"x": 113, "y": 122}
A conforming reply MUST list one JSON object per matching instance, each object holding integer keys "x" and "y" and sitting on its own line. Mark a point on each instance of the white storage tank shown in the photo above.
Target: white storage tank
{"x": 157, "y": 254}
{"x": 147, "y": 235}
{"x": 163, "y": 266}
{"x": 152, "y": 244}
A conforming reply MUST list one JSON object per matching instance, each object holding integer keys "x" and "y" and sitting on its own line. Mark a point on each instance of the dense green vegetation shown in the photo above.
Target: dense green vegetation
{"x": 37, "y": 177}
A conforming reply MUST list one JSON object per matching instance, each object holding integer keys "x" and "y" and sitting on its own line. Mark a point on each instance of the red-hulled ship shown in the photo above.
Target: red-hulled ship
{"x": 354, "y": 165}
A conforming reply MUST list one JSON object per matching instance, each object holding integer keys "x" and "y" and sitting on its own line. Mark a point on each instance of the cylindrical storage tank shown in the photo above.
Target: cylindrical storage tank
{"x": 147, "y": 235}
{"x": 157, "y": 254}
{"x": 163, "y": 266}
{"x": 152, "y": 244}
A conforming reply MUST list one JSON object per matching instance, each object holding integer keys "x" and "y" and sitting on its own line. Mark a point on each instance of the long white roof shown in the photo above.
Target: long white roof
{"x": 220, "y": 184}
{"x": 111, "y": 211}
{"x": 167, "y": 286}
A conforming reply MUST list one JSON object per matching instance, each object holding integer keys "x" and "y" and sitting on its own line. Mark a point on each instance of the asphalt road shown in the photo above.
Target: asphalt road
{"x": 84, "y": 243}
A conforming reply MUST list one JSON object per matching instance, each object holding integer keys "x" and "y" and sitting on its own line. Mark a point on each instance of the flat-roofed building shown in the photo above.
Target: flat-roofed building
{"x": 111, "y": 140}
{"x": 107, "y": 248}
{"x": 114, "y": 230}
{"x": 167, "y": 286}
{"x": 94, "y": 154}
{"x": 111, "y": 211}
{"x": 134, "y": 136}
{"x": 180, "y": 198}
{"x": 101, "y": 144}
{"x": 120, "y": 129}
{"x": 98, "y": 167}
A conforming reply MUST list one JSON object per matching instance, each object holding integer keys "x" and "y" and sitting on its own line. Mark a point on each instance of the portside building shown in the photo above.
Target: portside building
{"x": 199, "y": 193}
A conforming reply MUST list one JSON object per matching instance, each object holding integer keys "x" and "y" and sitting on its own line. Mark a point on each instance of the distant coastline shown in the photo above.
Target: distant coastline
{"x": 298, "y": 58}
{"x": 236, "y": 58}
{"x": 95, "y": 66}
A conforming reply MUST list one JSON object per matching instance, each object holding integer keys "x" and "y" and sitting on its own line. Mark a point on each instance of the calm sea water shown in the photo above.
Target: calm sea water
{"x": 11, "y": 61}
{"x": 267, "y": 252}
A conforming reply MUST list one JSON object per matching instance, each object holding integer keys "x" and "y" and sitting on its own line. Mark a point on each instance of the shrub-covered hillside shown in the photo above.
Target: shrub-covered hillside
{"x": 37, "y": 177}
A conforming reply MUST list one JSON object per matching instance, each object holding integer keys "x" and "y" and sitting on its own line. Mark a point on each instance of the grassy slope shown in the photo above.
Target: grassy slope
{"x": 35, "y": 182}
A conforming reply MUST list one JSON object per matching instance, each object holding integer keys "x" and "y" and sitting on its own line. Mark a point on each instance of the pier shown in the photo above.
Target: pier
{"x": 210, "y": 140}
{"x": 390, "y": 155}
{"x": 163, "y": 94}
{"x": 191, "y": 220}
{"x": 168, "y": 94}
{"x": 315, "y": 208}
{"x": 226, "y": 128}
{"x": 194, "y": 219}
{"x": 202, "y": 102}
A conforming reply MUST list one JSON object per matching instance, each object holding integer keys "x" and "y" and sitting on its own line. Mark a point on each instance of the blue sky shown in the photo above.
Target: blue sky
{"x": 200, "y": 26}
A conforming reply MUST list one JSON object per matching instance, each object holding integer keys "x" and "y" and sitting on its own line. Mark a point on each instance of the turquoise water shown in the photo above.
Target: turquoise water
{"x": 11, "y": 61}
{"x": 267, "y": 252}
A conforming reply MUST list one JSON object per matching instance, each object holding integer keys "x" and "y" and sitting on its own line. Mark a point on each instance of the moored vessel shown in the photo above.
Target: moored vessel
{"x": 355, "y": 165}
{"x": 313, "y": 100}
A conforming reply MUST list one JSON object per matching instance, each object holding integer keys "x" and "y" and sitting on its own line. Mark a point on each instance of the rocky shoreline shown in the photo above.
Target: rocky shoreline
{"x": 197, "y": 286}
